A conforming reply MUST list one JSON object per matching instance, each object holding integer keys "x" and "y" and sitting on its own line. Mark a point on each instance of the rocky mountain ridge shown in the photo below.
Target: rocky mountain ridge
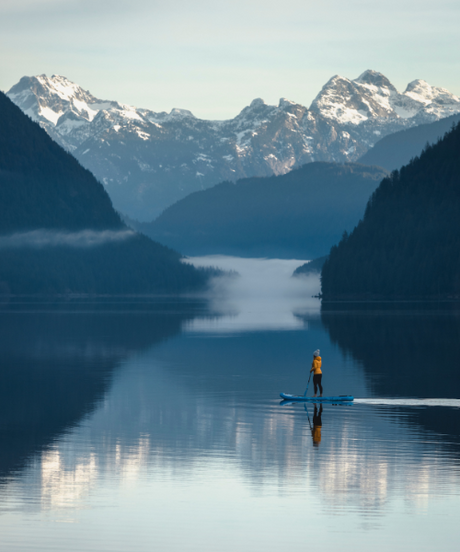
{"x": 149, "y": 160}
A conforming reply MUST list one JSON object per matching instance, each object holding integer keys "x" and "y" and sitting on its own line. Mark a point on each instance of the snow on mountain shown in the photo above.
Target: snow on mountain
{"x": 372, "y": 96}
{"x": 148, "y": 160}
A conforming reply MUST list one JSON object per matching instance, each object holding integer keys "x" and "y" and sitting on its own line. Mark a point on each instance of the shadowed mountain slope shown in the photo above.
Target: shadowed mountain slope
{"x": 396, "y": 150}
{"x": 299, "y": 214}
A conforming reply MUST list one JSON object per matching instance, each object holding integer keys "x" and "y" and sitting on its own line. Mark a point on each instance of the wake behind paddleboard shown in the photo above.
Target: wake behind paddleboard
{"x": 302, "y": 398}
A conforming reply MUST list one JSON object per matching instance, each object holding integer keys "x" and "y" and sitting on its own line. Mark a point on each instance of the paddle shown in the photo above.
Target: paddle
{"x": 309, "y": 423}
{"x": 305, "y": 394}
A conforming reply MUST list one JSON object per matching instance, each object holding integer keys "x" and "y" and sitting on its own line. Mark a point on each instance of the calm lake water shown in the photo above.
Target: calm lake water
{"x": 156, "y": 424}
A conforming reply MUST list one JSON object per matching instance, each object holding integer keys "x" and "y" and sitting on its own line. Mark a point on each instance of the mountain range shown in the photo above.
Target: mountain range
{"x": 148, "y": 160}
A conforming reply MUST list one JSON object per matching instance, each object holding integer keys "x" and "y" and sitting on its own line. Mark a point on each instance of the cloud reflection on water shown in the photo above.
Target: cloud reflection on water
{"x": 263, "y": 296}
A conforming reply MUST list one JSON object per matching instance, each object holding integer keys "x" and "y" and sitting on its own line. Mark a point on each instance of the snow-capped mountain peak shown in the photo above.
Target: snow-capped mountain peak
{"x": 372, "y": 97}
{"x": 147, "y": 160}
{"x": 422, "y": 92}
{"x": 47, "y": 99}
{"x": 64, "y": 88}
{"x": 373, "y": 78}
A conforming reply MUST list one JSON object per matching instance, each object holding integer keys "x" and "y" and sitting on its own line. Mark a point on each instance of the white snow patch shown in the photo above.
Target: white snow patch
{"x": 202, "y": 157}
{"x": 83, "y": 107}
{"x": 60, "y": 86}
{"x": 142, "y": 135}
{"x": 129, "y": 112}
{"x": 49, "y": 114}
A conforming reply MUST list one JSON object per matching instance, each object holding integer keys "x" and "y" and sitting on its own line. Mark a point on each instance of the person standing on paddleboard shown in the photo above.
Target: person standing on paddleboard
{"x": 317, "y": 374}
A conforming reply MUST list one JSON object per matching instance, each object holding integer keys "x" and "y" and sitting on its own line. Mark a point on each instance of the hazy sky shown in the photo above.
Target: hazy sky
{"x": 215, "y": 57}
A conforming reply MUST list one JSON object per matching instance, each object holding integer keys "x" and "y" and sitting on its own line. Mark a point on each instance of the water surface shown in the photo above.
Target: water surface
{"x": 155, "y": 424}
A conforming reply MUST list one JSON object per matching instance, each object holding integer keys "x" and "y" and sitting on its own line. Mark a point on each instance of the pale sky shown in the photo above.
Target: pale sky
{"x": 215, "y": 57}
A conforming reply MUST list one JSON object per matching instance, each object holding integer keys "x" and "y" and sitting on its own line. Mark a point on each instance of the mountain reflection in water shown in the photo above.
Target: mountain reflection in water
{"x": 151, "y": 425}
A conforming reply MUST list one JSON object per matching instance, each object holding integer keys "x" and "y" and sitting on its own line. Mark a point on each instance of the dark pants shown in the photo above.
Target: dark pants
{"x": 317, "y": 416}
{"x": 317, "y": 383}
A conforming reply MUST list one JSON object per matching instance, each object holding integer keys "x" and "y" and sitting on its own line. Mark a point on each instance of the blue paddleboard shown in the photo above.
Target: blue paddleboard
{"x": 302, "y": 398}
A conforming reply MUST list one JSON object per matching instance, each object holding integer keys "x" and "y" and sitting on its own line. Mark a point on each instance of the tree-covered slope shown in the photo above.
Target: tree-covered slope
{"x": 312, "y": 267}
{"x": 43, "y": 186}
{"x": 395, "y": 150}
{"x": 299, "y": 214}
{"x": 408, "y": 244}
{"x": 58, "y": 229}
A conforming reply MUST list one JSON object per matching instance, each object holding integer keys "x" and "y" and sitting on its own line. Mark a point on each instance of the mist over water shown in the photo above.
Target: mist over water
{"x": 38, "y": 239}
{"x": 263, "y": 295}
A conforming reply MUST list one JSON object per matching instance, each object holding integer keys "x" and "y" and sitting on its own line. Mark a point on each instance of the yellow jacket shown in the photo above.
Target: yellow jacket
{"x": 316, "y": 434}
{"x": 316, "y": 365}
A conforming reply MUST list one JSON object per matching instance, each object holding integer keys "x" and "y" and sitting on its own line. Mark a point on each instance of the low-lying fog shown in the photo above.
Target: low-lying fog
{"x": 263, "y": 296}
{"x": 37, "y": 239}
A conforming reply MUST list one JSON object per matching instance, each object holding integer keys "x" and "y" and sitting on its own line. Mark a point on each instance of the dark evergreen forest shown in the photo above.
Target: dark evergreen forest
{"x": 408, "y": 243}
{"x": 312, "y": 267}
{"x": 44, "y": 187}
{"x": 299, "y": 214}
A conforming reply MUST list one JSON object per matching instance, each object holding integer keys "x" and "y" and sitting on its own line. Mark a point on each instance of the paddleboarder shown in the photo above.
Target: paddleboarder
{"x": 317, "y": 373}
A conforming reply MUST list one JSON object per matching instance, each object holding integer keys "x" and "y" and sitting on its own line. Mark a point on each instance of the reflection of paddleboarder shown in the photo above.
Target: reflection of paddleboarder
{"x": 317, "y": 374}
{"x": 317, "y": 424}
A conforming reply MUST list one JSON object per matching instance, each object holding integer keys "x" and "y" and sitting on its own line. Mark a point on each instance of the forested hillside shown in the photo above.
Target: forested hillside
{"x": 408, "y": 244}
{"x": 58, "y": 229}
{"x": 312, "y": 267}
{"x": 300, "y": 214}
{"x": 43, "y": 186}
{"x": 395, "y": 150}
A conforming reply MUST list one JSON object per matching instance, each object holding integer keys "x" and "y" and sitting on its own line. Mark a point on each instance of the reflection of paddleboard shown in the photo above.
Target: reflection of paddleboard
{"x": 338, "y": 398}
